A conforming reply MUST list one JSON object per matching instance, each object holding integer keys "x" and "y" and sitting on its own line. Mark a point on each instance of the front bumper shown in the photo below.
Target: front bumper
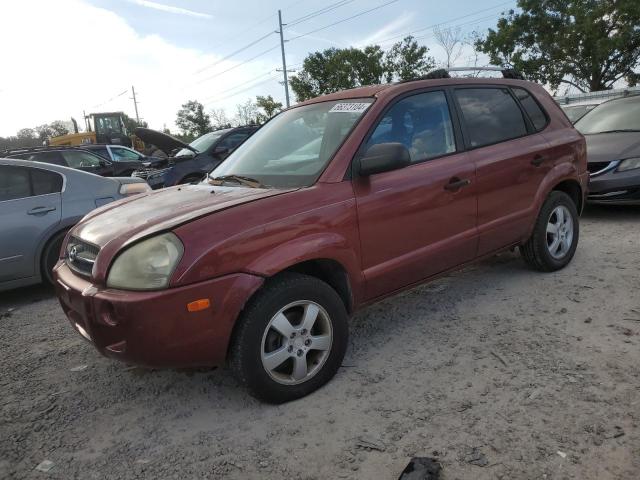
{"x": 615, "y": 187}
{"x": 154, "y": 328}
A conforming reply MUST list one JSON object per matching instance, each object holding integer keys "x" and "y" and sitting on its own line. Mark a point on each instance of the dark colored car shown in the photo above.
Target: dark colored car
{"x": 612, "y": 131}
{"x": 79, "y": 158}
{"x": 333, "y": 204}
{"x": 189, "y": 163}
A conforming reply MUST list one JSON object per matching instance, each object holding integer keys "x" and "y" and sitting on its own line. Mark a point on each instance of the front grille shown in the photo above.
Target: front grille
{"x": 596, "y": 167}
{"x": 145, "y": 173}
{"x": 80, "y": 255}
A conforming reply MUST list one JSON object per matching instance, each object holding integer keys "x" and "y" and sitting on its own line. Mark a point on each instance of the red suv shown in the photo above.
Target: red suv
{"x": 333, "y": 204}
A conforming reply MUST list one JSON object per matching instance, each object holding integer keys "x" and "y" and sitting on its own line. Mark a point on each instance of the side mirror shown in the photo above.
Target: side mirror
{"x": 383, "y": 157}
{"x": 220, "y": 150}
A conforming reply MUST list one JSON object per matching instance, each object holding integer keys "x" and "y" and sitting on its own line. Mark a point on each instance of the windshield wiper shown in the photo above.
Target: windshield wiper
{"x": 620, "y": 130}
{"x": 241, "y": 179}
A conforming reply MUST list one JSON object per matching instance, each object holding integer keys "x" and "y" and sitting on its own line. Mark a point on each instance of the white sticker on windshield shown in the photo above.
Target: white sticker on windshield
{"x": 349, "y": 107}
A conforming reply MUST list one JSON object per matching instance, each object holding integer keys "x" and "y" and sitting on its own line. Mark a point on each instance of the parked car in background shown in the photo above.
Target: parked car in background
{"x": 612, "y": 131}
{"x": 79, "y": 158}
{"x": 39, "y": 202}
{"x": 333, "y": 204}
{"x": 189, "y": 163}
{"x": 576, "y": 112}
{"x": 124, "y": 156}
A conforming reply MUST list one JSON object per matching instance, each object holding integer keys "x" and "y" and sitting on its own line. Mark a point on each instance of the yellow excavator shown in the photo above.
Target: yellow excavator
{"x": 106, "y": 127}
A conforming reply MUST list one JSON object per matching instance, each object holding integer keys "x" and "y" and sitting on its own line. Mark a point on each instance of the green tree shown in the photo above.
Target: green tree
{"x": 219, "y": 119}
{"x": 269, "y": 107}
{"x": 131, "y": 124}
{"x": 26, "y": 134}
{"x": 589, "y": 44}
{"x": 192, "y": 119}
{"x": 246, "y": 113}
{"x": 337, "y": 69}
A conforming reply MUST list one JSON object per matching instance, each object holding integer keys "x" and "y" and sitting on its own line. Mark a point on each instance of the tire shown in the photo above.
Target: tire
{"x": 50, "y": 255}
{"x": 540, "y": 251}
{"x": 290, "y": 297}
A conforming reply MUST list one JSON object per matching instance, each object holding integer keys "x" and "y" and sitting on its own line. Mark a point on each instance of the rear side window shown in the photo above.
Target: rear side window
{"x": 233, "y": 140}
{"x": 491, "y": 115}
{"x": 14, "y": 183}
{"x": 78, "y": 159}
{"x": 44, "y": 182}
{"x": 53, "y": 158}
{"x": 537, "y": 116}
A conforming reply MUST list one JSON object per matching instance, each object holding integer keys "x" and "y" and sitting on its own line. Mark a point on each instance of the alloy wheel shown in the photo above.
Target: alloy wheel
{"x": 559, "y": 232}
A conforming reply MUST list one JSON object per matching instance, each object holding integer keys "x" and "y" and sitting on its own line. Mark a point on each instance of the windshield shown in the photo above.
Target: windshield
{"x": 202, "y": 143}
{"x": 623, "y": 114}
{"x": 293, "y": 149}
{"x": 576, "y": 112}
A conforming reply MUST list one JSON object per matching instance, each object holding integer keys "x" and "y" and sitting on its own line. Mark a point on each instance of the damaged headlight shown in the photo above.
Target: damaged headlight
{"x": 147, "y": 265}
{"x": 629, "y": 164}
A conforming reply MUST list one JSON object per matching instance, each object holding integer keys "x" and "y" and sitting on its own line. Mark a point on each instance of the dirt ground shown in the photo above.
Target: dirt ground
{"x": 497, "y": 371}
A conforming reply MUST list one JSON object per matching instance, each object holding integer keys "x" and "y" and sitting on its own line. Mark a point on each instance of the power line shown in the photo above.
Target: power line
{"x": 220, "y": 99}
{"x": 444, "y": 23}
{"x": 343, "y": 20}
{"x": 237, "y": 86}
{"x": 238, "y": 64}
{"x": 240, "y": 50}
{"x": 321, "y": 11}
{"x": 111, "y": 99}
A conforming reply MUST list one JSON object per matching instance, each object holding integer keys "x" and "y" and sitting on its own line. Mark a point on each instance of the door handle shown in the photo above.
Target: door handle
{"x": 456, "y": 184}
{"x": 40, "y": 210}
{"x": 538, "y": 160}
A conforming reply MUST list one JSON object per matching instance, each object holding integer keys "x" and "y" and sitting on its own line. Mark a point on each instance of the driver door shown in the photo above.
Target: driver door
{"x": 414, "y": 222}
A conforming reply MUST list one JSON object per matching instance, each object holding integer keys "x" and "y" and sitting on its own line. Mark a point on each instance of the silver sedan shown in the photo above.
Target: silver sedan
{"x": 39, "y": 203}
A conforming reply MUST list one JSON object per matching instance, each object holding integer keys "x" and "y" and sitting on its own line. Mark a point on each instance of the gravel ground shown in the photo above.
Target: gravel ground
{"x": 497, "y": 371}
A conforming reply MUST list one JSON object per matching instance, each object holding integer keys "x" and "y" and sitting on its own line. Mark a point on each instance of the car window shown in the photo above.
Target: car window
{"x": 612, "y": 116}
{"x": 78, "y": 159}
{"x": 491, "y": 115}
{"x": 123, "y": 155}
{"x": 14, "y": 183}
{"x": 233, "y": 140}
{"x": 422, "y": 123}
{"x": 535, "y": 112}
{"x": 44, "y": 182}
{"x": 102, "y": 151}
{"x": 53, "y": 158}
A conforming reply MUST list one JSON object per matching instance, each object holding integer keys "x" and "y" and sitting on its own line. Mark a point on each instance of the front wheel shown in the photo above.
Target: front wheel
{"x": 50, "y": 256}
{"x": 555, "y": 236}
{"x": 291, "y": 338}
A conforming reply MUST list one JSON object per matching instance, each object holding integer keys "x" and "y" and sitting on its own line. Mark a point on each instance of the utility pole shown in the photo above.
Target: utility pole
{"x": 135, "y": 104}
{"x": 284, "y": 60}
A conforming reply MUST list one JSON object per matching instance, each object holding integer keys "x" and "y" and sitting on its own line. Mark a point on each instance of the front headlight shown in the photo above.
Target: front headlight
{"x": 147, "y": 265}
{"x": 629, "y": 164}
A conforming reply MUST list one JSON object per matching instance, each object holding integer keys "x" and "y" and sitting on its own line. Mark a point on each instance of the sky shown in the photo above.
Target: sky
{"x": 65, "y": 57}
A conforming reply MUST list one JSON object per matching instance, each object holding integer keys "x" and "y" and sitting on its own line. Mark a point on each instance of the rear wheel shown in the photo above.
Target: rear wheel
{"x": 555, "y": 235}
{"x": 50, "y": 256}
{"x": 291, "y": 339}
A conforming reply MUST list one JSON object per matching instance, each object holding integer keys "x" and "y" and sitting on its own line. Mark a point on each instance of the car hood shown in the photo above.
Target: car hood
{"x": 164, "y": 142}
{"x": 130, "y": 219}
{"x": 606, "y": 147}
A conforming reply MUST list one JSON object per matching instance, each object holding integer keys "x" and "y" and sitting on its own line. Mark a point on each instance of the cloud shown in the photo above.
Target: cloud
{"x": 170, "y": 9}
{"x": 388, "y": 30}
{"x": 76, "y": 57}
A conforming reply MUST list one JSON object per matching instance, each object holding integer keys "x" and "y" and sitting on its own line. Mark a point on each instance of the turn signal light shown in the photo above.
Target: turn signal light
{"x": 198, "y": 305}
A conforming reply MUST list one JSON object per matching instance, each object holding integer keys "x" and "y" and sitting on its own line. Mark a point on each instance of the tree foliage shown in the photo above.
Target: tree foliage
{"x": 337, "y": 69}
{"x": 589, "y": 44}
{"x": 219, "y": 119}
{"x": 246, "y": 113}
{"x": 192, "y": 119}
{"x": 269, "y": 108}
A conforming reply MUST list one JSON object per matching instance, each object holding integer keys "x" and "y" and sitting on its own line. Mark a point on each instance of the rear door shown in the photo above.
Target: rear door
{"x": 88, "y": 162}
{"x": 511, "y": 159}
{"x": 415, "y": 222}
{"x": 30, "y": 207}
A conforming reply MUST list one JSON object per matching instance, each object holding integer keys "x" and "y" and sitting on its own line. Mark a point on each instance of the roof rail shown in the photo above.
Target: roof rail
{"x": 43, "y": 149}
{"x": 444, "y": 73}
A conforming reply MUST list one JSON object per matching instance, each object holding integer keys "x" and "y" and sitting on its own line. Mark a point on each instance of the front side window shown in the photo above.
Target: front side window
{"x": 612, "y": 116}
{"x": 422, "y": 123}
{"x": 124, "y": 155}
{"x": 78, "y": 159}
{"x": 293, "y": 149}
{"x": 14, "y": 183}
{"x": 491, "y": 115}
{"x": 535, "y": 112}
